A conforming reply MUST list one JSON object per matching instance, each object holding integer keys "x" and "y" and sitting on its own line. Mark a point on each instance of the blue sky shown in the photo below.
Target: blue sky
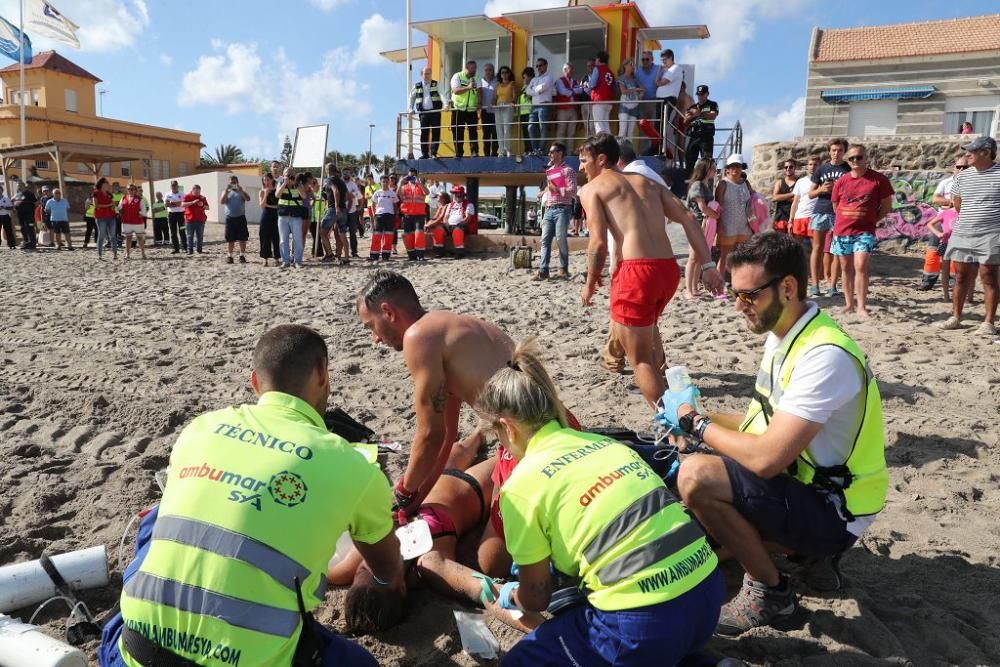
{"x": 248, "y": 72}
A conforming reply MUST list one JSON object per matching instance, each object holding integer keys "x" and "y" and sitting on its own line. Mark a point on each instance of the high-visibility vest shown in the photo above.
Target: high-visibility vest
{"x": 290, "y": 204}
{"x": 464, "y": 101}
{"x": 862, "y": 480}
{"x": 417, "y": 97}
{"x": 413, "y": 200}
{"x": 523, "y": 104}
{"x": 90, "y": 211}
{"x": 604, "y": 91}
{"x": 159, "y": 210}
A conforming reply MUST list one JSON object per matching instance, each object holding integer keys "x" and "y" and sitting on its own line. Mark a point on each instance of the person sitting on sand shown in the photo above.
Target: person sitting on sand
{"x": 457, "y": 508}
{"x": 234, "y": 557}
{"x": 804, "y": 471}
{"x": 587, "y": 506}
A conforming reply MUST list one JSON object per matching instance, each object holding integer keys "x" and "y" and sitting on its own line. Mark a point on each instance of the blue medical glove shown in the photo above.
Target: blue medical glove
{"x": 672, "y": 401}
{"x": 506, "y": 597}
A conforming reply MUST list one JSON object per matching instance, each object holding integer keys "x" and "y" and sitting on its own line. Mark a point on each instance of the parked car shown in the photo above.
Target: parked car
{"x": 488, "y": 221}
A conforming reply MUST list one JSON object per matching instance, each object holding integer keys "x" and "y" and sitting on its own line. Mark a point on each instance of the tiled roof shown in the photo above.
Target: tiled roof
{"x": 52, "y": 61}
{"x": 970, "y": 34}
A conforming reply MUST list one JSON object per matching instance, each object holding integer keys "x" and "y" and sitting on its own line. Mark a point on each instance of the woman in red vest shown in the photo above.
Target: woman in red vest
{"x": 602, "y": 93}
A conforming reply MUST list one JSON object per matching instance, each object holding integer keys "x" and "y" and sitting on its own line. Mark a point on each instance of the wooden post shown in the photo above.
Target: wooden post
{"x": 510, "y": 208}
{"x": 59, "y": 172}
{"x": 152, "y": 191}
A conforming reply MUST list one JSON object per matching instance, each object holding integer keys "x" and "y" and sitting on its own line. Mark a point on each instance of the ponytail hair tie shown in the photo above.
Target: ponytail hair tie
{"x": 514, "y": 365}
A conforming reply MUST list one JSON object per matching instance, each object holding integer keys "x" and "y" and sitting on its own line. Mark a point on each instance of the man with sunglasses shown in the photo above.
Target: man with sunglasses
{"x": 804, "y": 470}
{"x": 558, "y": 211}
{"x": 860, "y": 199}
{"x": 649, "y": 109}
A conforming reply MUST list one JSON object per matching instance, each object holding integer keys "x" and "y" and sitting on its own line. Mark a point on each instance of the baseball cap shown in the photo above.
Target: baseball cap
{"x": 458, "y": 190}
{"x": 981, "y": 143}
{"x": 736, "y": 158}
{"x": 701, "y": 89}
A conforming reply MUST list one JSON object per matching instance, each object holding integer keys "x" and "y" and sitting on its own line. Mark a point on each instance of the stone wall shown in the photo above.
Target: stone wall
{"x": 890, "y": 155}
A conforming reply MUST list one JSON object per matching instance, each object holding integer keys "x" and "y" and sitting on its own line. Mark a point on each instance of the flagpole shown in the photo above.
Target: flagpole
{"x": 24, "y": 139}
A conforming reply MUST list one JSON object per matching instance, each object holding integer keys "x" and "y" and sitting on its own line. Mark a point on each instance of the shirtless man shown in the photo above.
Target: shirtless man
{"x": 450, "y": 358}
{"x": 646, "y": 274}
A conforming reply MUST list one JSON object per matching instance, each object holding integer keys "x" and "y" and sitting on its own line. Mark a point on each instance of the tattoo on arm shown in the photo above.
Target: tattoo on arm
{"x": 595, "y": 264}
{"x": 439, "y": 399}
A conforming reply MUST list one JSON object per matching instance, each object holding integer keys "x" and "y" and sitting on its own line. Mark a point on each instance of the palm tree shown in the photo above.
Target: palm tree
{"x": 225, "y": 154}
{"x": 387, "y": 164}
{"x": 368, "y": 160}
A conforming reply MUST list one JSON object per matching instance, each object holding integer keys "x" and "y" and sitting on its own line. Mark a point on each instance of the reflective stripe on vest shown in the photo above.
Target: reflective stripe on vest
{"x": 413, "y": 200}
{"x": 464, "y": 101}
{"x": 159, "y": 210}
{"x": 627, "y": 521}
{"x": 637, "y": 560}
{"x": 523, "y": 104}
{"x": 239, "y": 613}
{"x": 417, "y": 98}
{"x": 290, "y": 204}
{"x": 862, "y": 480}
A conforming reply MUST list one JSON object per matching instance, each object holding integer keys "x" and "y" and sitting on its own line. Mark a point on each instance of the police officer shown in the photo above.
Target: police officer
{"x": 592, "y": 508}
{"x": 700, "y": 119}
{"x": 234, "y": 558}
{"x": 425, "y": 101}
{"x": 804, "y": 469}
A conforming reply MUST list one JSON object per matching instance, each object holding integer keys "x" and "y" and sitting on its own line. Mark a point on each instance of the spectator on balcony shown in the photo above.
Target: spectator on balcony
{"x": 631, "y": 92}
{"x": 504, "y": 105}
{"x": 541, "y": 89}
{"x": 465, "y": 106}
{"x": 700, "y": 121}
{"x": 668, "y": 88}
{"x": 646, "y": 74}
{"x": 602, "y": 93}
{"x": 425, "y": 101}
{"x": 559, "y": 195}
{"x": 524, "y": 107}
{"x": 567, "y": 113}
{"x": 487, "y": 113}
{"x": 583, "y": 95}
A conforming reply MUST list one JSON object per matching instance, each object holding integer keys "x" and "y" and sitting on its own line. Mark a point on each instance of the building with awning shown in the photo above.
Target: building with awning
{"x": 925, "y": 78}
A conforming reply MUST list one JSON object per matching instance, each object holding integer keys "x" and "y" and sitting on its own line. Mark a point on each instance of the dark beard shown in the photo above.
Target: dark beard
{"x": 768, "y": 318}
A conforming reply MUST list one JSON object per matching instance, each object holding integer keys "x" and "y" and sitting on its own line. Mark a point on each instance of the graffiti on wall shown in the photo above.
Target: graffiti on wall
{"x": 911, "y": 209}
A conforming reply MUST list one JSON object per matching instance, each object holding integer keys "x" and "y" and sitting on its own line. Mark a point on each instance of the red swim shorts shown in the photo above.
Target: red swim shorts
{"x": 800, "y": 227}
{"x": 641, "y": 289}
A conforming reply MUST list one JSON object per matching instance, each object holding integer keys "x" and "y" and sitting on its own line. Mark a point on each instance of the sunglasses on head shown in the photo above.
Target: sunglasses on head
{"x": 749, "y": 296}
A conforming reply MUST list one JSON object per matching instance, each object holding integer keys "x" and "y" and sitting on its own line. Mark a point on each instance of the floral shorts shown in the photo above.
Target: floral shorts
{"x": 848, "y": 245}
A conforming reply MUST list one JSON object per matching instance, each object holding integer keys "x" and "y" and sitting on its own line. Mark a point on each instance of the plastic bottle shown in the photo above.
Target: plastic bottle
{"x": 678, "y": 378}
{"x": 23, "y": 645}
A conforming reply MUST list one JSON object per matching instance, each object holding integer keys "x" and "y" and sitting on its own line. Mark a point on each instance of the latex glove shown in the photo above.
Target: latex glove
{"x": 506, "y": 597}
{"x": 672, "y": 401}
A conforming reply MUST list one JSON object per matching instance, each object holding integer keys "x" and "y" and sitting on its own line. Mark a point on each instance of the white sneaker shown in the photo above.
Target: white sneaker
{"x": 950, "y": 324}
{"x": 987, "y": 328}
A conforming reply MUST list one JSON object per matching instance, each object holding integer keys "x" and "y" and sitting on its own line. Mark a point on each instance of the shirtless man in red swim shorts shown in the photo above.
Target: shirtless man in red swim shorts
{"x": 631, "y": 207}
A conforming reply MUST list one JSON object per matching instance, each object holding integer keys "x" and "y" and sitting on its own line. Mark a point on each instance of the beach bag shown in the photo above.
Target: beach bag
{"x": 759, "y": 214}
{"x": 712, "y": 224}
{"x": 339, "y": 422}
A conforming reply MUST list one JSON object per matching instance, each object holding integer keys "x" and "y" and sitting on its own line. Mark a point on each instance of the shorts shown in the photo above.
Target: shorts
{"x": 789, "y": 513}
{"x": 236, "y": 229}
{"x": 984, "y": 251}
{"x": 60, "y": 226}
{"x": 780, "y": 226}
{"x": 800, "y": 227}
{"x": 658, "y": 634}
{"x": 641, "y": 289}
{"x": 821, "y": 222}
{"x": 138, "y": 230}
{"x": 853, "y": 243}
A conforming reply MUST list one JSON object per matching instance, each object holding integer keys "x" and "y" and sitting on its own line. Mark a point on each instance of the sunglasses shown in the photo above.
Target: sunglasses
{"x": 789, "y": 166}
{"x": 646, "y": 60}
{"x": 749, "y": 296}
{"x": 554, "y": 150}
{"x": 961, "y": 166}
{"x": 855, "y": 158}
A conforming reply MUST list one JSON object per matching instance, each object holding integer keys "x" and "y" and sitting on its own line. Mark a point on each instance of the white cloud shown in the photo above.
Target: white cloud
{"x": 378, "y": 34}
{"x": 236, "y": 80}
{"x": 105, "y": 25}
{"x": 166, "y": 59}
{"x": 328, "y": 5}
{"x": 498, "y": 7}
{"x": 763, "y": 124}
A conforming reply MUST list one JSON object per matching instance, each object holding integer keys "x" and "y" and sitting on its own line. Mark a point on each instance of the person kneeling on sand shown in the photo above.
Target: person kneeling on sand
{"x": 587, "y": 506}
{"x": 456, "y": 510}
{"x": 233, "y": 559}
{"x": 804, "y": 472}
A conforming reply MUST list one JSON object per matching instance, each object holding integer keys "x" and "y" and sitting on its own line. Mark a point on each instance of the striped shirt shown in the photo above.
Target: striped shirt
{"x": 979, "y": 213}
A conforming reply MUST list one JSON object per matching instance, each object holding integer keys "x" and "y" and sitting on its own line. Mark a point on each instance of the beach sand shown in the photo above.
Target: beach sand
{"x": 102, "y": 364}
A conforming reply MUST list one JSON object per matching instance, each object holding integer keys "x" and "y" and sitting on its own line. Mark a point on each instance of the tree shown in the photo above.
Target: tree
{"x": 368, "y": 158}
{"x": 286, "y": 152}
{"x": 224, "y": 154}
{"x": 387, "y": 164}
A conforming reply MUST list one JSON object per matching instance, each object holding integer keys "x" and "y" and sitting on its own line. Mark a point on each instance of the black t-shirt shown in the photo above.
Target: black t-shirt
{"x": 827, "y": 173}
{"x": 26, "y": 207}
{"x": 341, "y": 187}
{"x": 699, "y": 126}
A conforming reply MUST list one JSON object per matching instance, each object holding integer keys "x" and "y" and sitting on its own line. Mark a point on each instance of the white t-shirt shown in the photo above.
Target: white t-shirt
{"x": 384, "y": 201}
{"x": 541, "y": 89}
{"x": 943, "y": 188}
{"x": 672, "y": 89}
{"x": 825, "y": 388}
{"x": 801, "y": 189}
{"x": 355, "y": 196}
{"x": 454, "y": 215}
{"x": 173, "y": 202}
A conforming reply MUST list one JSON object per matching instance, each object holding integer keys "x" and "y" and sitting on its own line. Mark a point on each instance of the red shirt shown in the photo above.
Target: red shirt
{"x": 856, "y": 201}
{"x": 103, "y": 212}
{"x": 131, "y": 213}
{"x": 195, "y": 213}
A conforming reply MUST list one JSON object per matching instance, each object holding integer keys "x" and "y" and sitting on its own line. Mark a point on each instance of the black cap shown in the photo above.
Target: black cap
{"x": 413, "y": 170}
{"x": 701, "y": 89}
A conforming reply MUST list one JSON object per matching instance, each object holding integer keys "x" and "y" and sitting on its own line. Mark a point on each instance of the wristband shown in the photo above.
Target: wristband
{"x": 402, "y": 495}
{"x": 686, "y": 422}
{"x": 506, "y": 597}
{"x": 699, "y": 431}
{"x": 708, "y": 265}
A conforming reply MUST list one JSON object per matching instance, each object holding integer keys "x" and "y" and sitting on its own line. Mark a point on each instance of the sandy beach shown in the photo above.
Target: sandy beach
{"x": 103, "y": 363}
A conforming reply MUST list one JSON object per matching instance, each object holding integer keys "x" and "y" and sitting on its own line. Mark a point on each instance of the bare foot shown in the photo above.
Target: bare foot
{"x": 847, "y": 310}
{"x": 692, "y": 296}
{"x": 863, "y": 313}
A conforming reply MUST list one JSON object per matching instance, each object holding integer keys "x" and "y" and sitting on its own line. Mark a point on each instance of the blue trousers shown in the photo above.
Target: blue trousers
{"x": 338, "y": 651}
{"x": 555, "y": 223}
{"x": 663, "y": 634}
{"x": 539, "y": 129}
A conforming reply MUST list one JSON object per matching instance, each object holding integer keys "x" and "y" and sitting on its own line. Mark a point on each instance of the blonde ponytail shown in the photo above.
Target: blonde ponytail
{"x": 522, "y": 391}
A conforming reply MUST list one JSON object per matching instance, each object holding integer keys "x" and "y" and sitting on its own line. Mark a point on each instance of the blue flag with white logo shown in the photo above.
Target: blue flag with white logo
{"x": 10, "y": 42}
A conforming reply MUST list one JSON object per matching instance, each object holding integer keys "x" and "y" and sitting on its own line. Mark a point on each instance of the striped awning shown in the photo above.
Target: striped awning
{"x": 863, "y": 94}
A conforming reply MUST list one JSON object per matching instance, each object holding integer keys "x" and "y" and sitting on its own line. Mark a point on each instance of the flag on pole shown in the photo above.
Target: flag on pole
{"x": 11, "y": 42}
{"x": 46, "y": 20}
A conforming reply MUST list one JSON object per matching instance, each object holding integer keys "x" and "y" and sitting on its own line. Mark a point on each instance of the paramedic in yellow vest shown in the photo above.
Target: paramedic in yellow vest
{"x": 582, "y": 505}
{"x": 425, "y": 101}
{"x": 465, "y": 109}
{"x": 161, "y": 229}
{"x": 234, "y": 558}
{"x": 412, "y": 194}
{"x": 803, "y": 472}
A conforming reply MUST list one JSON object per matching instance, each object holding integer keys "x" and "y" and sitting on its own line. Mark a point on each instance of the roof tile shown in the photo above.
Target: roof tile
{"x": 971, "y": 34}
{"x": 51, "y": 60}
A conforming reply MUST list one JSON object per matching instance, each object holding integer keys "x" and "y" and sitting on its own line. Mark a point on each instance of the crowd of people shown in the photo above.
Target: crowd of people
{"x": 547, "y": 108}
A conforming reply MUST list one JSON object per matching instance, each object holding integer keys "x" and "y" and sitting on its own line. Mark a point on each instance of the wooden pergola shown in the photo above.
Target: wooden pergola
{"x": 92, "y": 156}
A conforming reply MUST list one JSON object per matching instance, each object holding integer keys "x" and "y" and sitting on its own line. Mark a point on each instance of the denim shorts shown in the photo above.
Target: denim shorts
{"x": 821, "y": 222}
{"x": 854, "y": 243}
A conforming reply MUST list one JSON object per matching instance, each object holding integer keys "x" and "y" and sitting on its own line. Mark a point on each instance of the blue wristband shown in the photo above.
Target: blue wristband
{"x": 506, "y": 596}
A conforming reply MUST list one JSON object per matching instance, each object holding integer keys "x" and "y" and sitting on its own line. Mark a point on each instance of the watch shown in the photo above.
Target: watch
{"x": 699, "y": 431}
{"x": 686, "y": 422}
{"x": 708, "y": 265}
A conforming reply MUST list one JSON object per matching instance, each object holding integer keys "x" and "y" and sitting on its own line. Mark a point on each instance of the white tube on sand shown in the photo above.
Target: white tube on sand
{"x": 23, "y": 584}
{"x": 23, "y": 645}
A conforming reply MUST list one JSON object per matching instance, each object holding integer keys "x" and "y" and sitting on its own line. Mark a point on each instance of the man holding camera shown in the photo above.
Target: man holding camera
{"x": 235, "y": 199}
